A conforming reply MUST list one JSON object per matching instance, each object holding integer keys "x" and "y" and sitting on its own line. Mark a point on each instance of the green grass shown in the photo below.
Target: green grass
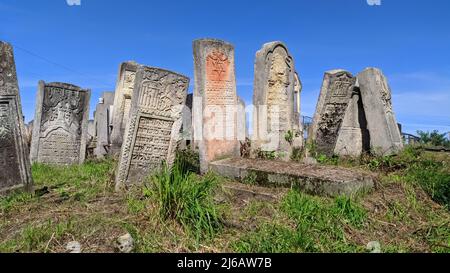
{"x": 318, "y": 226}
{"x": 179, "y": 210}
{"x": 187, "y": 198}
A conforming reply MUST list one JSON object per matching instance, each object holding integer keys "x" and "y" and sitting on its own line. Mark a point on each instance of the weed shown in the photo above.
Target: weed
{"x": 187, "y": 198}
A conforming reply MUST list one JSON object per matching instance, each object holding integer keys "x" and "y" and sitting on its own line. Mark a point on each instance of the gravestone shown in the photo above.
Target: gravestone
{"x": 122, "y": 103}
{"x": 353, "y": 138}
{"x": 154, "y": 126}
{"x": 215, "y": 101}
{"x": 29, "y": 134}
{"x": 60, "y": 124}
{"x": 15, "y": 172}
{"x": 242, "y": 129}
{"x": 277, "y": 87}
{"x": 91, "y": 130}
{"x": 385, "y": 136}
{"x": 102, "y": 124}
{"x": 187, "y": 123}
{"x": 335, "y": 96}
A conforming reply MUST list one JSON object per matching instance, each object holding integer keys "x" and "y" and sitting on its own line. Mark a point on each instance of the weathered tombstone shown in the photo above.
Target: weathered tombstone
{"x": 215, "y": 101}
{"x": 187, "y": 123}
{"x": 122, "y": 103}
{"x": 102, "y": 124}
{"x": 242, "y": 129}
{"x": 29, "y": 133}
{"x": 60, "y": 124}
{"x": 15, "y": 172}
{"x": 385, "y": 136}
{"x": 334, "y": 99}
{"x": 91, "y": 130}
{"x": 277, "y": 87}
{"x": 154, "y": 126}
{"x": 353, "y": 138}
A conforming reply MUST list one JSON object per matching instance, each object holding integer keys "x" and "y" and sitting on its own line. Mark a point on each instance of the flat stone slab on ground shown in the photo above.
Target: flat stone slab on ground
{"x": 312, "y": 179}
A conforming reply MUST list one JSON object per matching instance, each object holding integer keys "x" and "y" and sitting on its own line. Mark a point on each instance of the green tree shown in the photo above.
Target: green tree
{"x": 433, "y": 138}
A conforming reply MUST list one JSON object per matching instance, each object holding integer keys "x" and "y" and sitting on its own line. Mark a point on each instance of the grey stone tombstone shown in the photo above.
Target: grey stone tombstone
{"x": 353, "y": 138}
{"x": 154, "y": 128}
{"x": 385, "y": 136}
{"x": 187, "y": 123}
{"x": 242, "y": 129}
{"x": 102, "y": 124}
{"x": 15, "y": 171}
{"x": 215, "y": 101}
{"x": 122, "y": 103}
{"x": 276, "y": 99}
{"x": 91, "y": 130}
{"x": 60, "y": 124}
{"x": 29, "y": 133}
{"x": 335, "y": 95}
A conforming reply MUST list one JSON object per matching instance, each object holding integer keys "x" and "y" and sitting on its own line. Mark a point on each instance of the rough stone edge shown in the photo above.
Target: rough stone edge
{"x": 310, "y": 185}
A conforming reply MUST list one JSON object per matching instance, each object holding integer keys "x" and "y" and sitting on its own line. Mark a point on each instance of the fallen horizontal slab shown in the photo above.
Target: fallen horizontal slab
{"x": 312, "y": 179}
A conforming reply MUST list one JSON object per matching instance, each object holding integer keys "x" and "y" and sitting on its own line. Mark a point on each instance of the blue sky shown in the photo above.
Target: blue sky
{"x": 84, "y": 45}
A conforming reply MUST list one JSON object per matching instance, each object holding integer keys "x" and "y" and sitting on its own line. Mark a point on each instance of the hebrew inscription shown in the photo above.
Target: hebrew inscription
{"x": 59, "y": 135}
{"x": 154, "y": 129}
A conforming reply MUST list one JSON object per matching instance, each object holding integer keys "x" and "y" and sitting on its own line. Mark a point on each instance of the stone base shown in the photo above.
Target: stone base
{"x": 312, "y": 179}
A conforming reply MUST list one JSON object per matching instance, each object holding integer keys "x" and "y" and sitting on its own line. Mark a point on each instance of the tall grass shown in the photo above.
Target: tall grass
{"x": 186, "y": 197}
{"x": 319, "y": 227}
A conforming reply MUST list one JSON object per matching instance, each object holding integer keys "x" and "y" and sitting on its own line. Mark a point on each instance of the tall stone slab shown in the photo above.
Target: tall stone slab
{"x": 335, "y": 96}
{"x": 385, "y": 136}
{"x": 103, "y": 124}
{"x": 215, "y": 101}
{"x": 153, "y": 130}
{"x": 276, "y": 99}
{"x": 60, "y": 124}
{"x": 187, "y": 124}
{"x": 353, "y": 138}
{"x": 122, "y": 104}
{"x": 15, "y": 171}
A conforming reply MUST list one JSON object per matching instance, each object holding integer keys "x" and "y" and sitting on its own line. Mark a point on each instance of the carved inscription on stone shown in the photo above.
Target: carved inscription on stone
{"x": 122, "y": 104}
{"x": 152, "y": 134}
{"x": 219, "y": 85}
{"x": 276, "y": 100}
{"x": 152, "y": 144}
{"x": 278, "y": 83}
{"x": 9, "y": 164}
{"x": 335, "y": 97}
{"x": 215, "y": 101}
{"x": 62, "y": 124}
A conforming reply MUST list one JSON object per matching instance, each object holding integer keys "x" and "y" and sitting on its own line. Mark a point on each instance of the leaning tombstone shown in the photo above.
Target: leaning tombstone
{"x": 353, "y": 139}
{"x": 277, "y": 87}
{"x": 60, "y": 124}
{"x": 15, "y": 171}
{"x": 215, "y": 101}
{"x": 385, "y": 136}
{"x": 335, "y": 95}
{"x": 153, "y": 130}
{"x": 102, "y": 124}
{"x": 122, "y": 103}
